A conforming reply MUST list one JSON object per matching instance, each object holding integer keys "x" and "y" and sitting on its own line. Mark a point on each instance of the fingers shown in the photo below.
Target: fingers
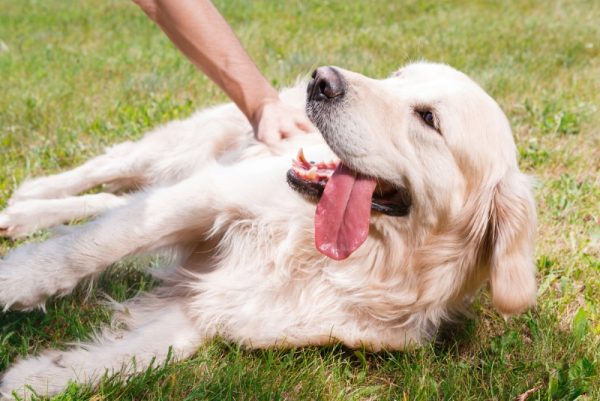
{"x": 275, "y": 133}
{"x": 298, "y": 126}
{"x": 279, "y": 121}
{"x": 293, "y": 128}
{"x": 305, "y": 125}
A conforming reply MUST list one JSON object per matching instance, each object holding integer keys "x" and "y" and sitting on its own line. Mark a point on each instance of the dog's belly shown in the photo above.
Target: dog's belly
{"x": 260, "y": 280}
{"x": 268, "y": 286}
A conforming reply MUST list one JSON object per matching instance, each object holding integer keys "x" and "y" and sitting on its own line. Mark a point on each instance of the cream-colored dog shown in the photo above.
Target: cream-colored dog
{"x": 374, "y": 244}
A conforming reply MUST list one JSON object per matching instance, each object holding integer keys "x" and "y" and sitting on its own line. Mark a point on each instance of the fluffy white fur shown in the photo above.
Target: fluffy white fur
{"x": 245, "y": 266}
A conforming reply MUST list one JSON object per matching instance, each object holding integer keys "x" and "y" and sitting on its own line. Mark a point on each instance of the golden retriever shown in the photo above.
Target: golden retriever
{"x": 372, "y": 237}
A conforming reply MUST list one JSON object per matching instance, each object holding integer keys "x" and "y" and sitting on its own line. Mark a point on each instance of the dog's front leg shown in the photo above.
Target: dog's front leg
{"x": 162, "y": 217}
{"x": 25, "y": 217}
{"x": 120, "y": 163}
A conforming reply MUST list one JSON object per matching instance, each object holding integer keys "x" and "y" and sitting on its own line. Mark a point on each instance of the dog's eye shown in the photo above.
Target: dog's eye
{"x": 427, "y": 116}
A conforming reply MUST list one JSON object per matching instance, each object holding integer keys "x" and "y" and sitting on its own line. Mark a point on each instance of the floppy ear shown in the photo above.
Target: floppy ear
{"x": 511, "y": 231}
{"x": 494, "y": 229}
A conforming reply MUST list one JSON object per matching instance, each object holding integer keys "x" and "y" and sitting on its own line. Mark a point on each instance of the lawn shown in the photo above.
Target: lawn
{"x": 76, "y": 76}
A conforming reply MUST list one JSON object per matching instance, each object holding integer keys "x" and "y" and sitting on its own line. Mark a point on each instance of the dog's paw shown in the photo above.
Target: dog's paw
{"x": 40, "y": 376}
{"x": 13, "y": 295}
{"x": 18, "y": 220}
{"x": 34, "y": 272}
{"x": 22, "y": 287}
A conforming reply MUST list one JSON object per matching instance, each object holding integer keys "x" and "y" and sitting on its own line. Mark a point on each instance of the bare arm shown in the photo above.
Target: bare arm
{"x": 201, "y": 33}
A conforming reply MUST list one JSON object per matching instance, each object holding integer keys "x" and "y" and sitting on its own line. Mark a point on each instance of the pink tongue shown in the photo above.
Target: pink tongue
{"x": 342, "y": 217}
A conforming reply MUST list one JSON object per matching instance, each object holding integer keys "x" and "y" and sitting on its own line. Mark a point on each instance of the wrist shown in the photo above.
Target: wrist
{"x": 256, "y": 109}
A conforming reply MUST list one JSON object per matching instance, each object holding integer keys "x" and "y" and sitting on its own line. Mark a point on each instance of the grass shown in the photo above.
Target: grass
{"x": 76, "y": 76}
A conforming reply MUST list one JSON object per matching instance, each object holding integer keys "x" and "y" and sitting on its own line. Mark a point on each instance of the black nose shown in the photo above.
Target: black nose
{"x": 326, "y": 83}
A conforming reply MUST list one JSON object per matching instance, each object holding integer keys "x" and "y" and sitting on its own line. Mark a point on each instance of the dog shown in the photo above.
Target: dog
{"x": 384, "y": 226}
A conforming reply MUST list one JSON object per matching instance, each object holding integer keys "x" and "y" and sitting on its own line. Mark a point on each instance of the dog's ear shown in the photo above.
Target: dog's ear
{"x": 510, "y": 244}
{"x": 494, "y": 230}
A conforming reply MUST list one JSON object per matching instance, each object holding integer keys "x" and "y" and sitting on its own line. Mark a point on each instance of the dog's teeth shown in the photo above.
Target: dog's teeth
{"x": 302, "y": 158}
{"x": 301, "y": 173}
{"x": 312, "y": 173}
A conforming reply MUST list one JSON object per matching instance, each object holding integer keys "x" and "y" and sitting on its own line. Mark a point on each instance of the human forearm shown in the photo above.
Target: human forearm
{"x": 201, "y": 33}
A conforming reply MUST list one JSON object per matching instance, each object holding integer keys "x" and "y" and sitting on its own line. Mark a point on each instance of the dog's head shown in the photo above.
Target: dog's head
{"x": 430, "y": 146}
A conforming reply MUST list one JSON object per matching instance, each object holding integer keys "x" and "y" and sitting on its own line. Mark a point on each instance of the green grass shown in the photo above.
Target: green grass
{"x": 78, "y": 75}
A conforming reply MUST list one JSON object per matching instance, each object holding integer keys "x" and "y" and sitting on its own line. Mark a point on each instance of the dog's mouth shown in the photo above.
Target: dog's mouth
{"x": 345, "y": 200}
{"x": 310, "y": 178}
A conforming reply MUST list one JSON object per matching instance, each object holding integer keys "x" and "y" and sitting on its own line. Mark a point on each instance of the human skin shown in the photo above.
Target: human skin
{"x": 197, "y": 28}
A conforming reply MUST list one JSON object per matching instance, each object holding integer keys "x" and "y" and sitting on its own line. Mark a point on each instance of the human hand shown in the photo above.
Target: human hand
{"x": 276, "y": 120}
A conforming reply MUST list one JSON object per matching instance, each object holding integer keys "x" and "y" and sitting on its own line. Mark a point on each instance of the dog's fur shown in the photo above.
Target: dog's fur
{"x": 244, "y": 265}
